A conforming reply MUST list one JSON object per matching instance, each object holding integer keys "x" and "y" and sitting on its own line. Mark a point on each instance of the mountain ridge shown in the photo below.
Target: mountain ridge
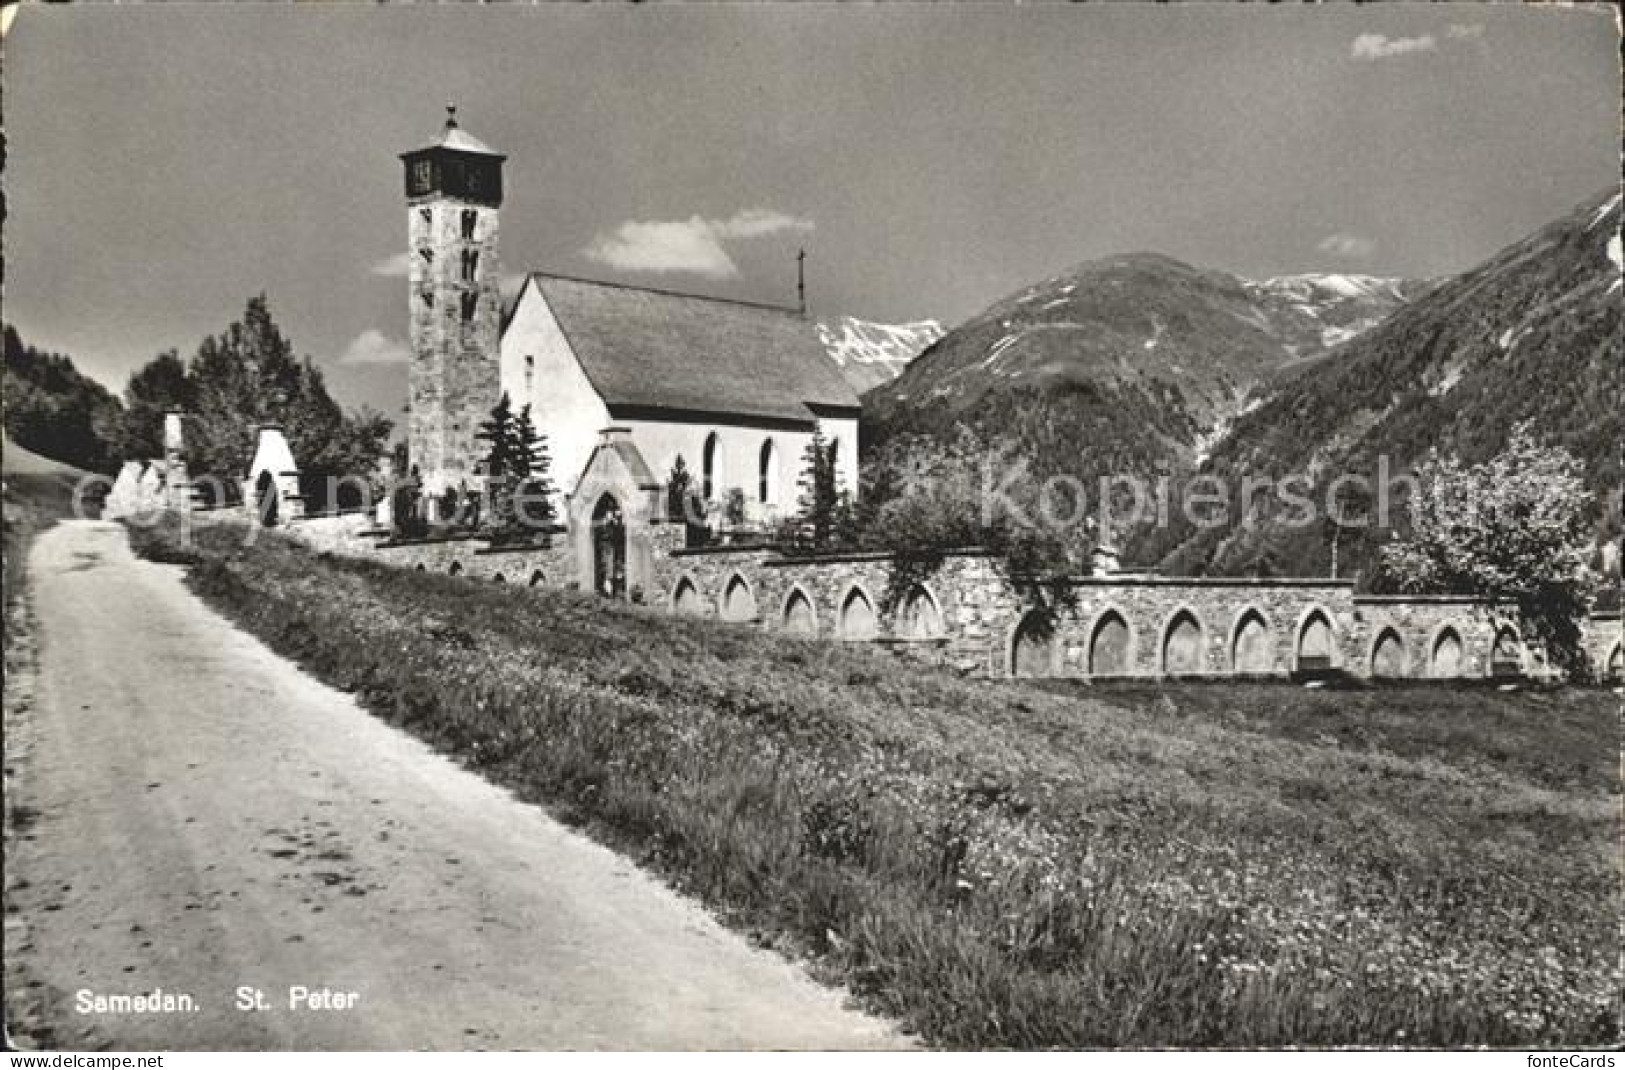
{"x": 1531, "y": 334}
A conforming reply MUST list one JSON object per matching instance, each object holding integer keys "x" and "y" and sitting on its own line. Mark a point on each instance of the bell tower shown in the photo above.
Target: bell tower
{"x": 453, "y": 192}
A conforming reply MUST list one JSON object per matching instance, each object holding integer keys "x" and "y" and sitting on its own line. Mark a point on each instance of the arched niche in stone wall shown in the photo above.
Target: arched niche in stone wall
{"x": 1033, "y": 646}
{"x": 1252, "y": 651}
{"x": 738, "y": 601}
{"x": 1388, "y": 655}
{"x": 918, "y": 617}
{"x": 686, "y": 600}
{"x": 1182, "y": 648}
{"x": 1447, "y": 660}
{"x": 1317, "y": 643}
{"x": 858, "y": 620}
{"x": 1111, "y": 646}
{"x": 799, "y": 617}
{"x": 1506, "y": 655}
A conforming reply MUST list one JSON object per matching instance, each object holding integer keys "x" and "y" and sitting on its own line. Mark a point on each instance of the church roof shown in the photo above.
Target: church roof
{"x": 657, "y": 350}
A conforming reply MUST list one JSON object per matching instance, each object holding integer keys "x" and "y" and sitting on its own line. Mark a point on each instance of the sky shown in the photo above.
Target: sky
{"x": 167, "y": 162}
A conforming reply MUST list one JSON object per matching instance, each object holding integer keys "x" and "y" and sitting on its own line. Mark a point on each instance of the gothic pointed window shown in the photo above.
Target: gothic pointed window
{"x": 710, "y": 465}
{"x": 767, "y": 489}
{"x": 470, "y": 217}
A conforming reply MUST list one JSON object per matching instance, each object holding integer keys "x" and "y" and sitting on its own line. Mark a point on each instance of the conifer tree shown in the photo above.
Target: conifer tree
{"x": 534, "y": 507}
{"x": 820, "y": 490}
{"x": 502, "y": 465}
{"x": 684, "y": 502}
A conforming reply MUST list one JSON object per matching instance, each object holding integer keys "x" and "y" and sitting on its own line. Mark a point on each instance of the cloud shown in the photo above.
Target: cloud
{"x": 1347, "y": 246}
{"x": 1375, "y": 46}
{"x": 692, "y": 246}
{"x": 395, "y": 267}
{"x": 371, "y": 346}
{"x": 1462, "y": 30}
{"x": 759, "y": 223}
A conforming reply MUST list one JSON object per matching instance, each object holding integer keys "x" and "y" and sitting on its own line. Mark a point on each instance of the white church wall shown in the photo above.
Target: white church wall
{"x": 844, "y": 431}
{"x": 739, "y": 451}
{"x": 563, "y": 403}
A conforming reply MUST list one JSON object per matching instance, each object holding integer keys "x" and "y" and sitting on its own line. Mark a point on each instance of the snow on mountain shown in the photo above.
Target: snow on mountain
{"x": 869, "y": 354}
{"x": 1331, "y": 308}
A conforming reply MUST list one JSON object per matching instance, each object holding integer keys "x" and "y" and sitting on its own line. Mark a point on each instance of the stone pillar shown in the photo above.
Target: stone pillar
{"x": 177, "y": 481}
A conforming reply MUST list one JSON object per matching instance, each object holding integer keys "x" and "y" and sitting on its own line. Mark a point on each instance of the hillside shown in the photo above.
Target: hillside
{"x": 53, "y": 409}
{"x": 1127, "y": 365}
{"x": 870, "y": 354}
{"x": 1532, "y": 334}
{"x": 37, "y": 492}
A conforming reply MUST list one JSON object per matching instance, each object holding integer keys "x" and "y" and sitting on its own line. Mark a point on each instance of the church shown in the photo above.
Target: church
{"x": 735, "y": 389}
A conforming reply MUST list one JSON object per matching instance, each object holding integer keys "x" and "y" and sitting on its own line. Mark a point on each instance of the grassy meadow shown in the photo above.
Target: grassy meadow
{"x": 1020, "y": 864}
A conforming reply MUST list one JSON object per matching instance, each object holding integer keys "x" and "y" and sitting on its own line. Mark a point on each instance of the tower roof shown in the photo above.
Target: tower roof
{"x": 456, "y": 138}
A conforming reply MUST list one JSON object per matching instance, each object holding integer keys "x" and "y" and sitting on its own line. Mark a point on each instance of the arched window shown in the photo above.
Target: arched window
{"x": 1182, "y": 646}
{"x": 1250, "y": 653}
{"x": 456, "y": 569}
{"x": 1388, "y": 655}
{"x": 767, "y": 475}
{"x": 499, "y": 578}
{"x": 1109, "y": 646}
{"x": 1447, "y": 660}
{"x": 858, "y": 617}
{"x": 470, "y": 218}
{"x": 710, "y": 467}
{"x": 538, "y": 578}
{"x": 1614, "y": 671}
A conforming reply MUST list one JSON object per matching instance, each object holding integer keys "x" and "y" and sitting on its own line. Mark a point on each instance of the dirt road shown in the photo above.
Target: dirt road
{"x": 205, "y": 818}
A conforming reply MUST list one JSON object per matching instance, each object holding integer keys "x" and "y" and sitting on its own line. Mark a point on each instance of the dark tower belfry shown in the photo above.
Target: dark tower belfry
{"x": 453, "y": 192}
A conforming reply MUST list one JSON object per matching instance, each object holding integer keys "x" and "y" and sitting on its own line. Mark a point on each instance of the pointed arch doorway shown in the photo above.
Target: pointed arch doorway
{"x": 609, "y": 548}
{"x": 267, "y": 499}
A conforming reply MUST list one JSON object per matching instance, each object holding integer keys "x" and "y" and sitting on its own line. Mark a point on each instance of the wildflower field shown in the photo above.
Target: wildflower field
{"x": 1012, "y": 863}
